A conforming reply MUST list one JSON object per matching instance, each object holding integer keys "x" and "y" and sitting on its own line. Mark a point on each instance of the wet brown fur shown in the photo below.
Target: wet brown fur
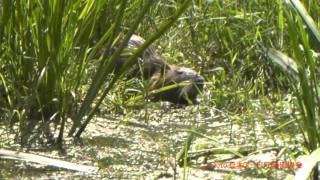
{"x": 161, "y": 74}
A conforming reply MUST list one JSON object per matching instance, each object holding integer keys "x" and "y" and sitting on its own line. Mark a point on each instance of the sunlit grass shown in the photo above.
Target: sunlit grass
{"x": 48, "y": 72}
{"x": 47, "y": 52}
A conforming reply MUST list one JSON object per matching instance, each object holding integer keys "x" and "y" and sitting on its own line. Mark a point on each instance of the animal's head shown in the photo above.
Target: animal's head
{"x": 188, "y": 85}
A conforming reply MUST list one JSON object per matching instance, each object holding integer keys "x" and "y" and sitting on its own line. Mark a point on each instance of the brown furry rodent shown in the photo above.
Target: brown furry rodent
{"x": 186, "y": 94}
{"x": 162, "y": 74}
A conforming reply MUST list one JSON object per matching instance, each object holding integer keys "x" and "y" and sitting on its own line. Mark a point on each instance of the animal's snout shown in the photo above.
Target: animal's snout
{"x": 198, "y": 79}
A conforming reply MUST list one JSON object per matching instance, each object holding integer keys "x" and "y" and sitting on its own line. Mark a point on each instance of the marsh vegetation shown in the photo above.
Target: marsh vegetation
{"x": 60, "y": 97}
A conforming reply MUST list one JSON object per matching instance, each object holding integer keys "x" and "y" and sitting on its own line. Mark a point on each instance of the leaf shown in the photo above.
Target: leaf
{"x": 7, "y": 154}
{"x": 285, "y": 62}
{"x": 308, "y": 163}
{"x": 298, "y": 6}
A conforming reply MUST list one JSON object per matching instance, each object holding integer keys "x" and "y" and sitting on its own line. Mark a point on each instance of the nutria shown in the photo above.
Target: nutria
{"x": 184, "y": 94}
{"x": 160, "y": 74}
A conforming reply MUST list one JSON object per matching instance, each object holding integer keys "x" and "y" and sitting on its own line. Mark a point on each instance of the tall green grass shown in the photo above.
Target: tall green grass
{"x": 43, "y": 51}
{"x": 301, "y": 66}
{"x": 48, "y": 73}
{"x": 46, "y": 56}
{"x": 132, "y": 59}
{"x": 223, "y": 42}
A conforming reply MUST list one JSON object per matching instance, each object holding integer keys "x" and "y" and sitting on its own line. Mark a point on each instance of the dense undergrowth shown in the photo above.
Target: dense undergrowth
{"x": 259, "y": 59}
